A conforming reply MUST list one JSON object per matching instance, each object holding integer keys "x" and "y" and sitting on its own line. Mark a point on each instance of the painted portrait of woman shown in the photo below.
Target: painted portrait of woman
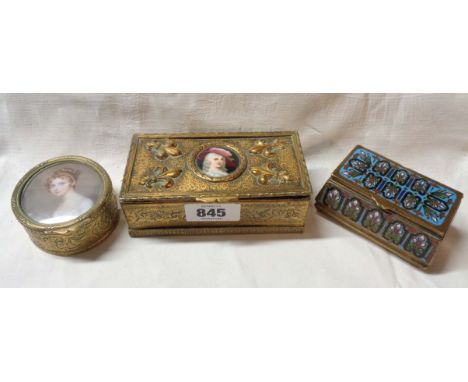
{"x": 61, "y": 193}
{"x": 217, "y": 162}
{"x": 62, "y": 184}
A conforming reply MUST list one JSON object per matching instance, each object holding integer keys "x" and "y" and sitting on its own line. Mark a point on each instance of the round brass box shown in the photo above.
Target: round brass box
{"x": 66, "y": 205}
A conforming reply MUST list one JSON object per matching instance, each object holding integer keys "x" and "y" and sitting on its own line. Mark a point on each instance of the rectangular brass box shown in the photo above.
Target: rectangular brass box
{"x": 211, "y": 183}
{"x": 401, "y": 210}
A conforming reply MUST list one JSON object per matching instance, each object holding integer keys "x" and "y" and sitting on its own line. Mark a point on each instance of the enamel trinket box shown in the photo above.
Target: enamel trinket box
{"x": 401, "y": 210}
{"x": 211, "y": 183}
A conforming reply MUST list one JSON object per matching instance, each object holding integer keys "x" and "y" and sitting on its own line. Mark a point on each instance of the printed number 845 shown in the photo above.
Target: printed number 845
{"x": 212, "y": 212}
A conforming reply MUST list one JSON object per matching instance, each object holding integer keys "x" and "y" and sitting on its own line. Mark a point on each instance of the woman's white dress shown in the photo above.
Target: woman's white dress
{"x": 61, "y": 215}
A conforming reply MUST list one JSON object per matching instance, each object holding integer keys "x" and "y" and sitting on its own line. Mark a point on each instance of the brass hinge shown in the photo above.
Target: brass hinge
{"x": 218, "y": 199}
{"x": 383, "y": 205}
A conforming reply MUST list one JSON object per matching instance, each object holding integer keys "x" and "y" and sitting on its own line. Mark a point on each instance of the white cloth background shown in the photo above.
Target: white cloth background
{"x": 426, "y": 132}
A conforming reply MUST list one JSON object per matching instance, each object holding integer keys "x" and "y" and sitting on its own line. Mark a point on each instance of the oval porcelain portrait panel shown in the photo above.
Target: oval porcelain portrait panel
{"x": 217, "y": 162}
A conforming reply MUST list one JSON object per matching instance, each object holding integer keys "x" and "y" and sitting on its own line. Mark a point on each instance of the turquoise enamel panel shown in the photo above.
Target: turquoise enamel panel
{"x": 414, "y": 193}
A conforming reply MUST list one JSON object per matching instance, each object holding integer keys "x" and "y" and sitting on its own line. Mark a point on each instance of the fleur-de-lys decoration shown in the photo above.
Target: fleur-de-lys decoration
{"x": 163, "y": 150}
{"x": 267, "y": 149}
{"x": 161, "y": 178}
{"x": 271, "y": 173}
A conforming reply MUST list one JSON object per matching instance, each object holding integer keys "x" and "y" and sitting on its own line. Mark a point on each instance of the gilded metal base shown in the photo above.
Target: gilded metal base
{"x": 186, "y": 231}
{"x": 82, "y": 236}
{"x": 286, "y": 212}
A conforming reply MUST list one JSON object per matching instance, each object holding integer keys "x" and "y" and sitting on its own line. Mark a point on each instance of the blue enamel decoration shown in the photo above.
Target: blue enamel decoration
{"x": 358, "y": 165}
{"x": 373, "y": 220}
{"x": 352, "y": 209}
{"x": 390, "y": 191}
{"x": 420, "y": 185}
{"x": 371, "y": 181}
{"x": 400, "y": 186}
{"x": 410, "y": 201}
{"x": 395, "y": 232}
{"x": 436, "y": 203}
{"x": 382, "y": 167}
{"x": 333, "y": 198}
{"x": 401, "y": 177}
{"x": 418, "y": 244}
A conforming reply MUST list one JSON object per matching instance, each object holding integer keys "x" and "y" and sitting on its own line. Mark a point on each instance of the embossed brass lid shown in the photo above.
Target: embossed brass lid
{"x": 399, "y": 190}
{"x": 66, "y": 204}
{"x": 214, "y": 167}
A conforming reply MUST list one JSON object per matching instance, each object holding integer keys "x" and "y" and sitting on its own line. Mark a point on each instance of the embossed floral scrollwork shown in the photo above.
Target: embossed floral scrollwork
{"x": 162, "y": 151}
{"x": 271, "y": 174}
{"x": 82, "y": 236}
{"x": 161, "y": 178}
{"x": 272, "y": 212}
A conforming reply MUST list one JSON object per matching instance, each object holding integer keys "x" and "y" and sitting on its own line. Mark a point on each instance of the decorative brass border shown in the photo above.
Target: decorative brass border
{"x": 237, "y": 172}
{"x": 16, "y": 197}
{"x": 235, "y": 230}
{"x": 76, "y": 235}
